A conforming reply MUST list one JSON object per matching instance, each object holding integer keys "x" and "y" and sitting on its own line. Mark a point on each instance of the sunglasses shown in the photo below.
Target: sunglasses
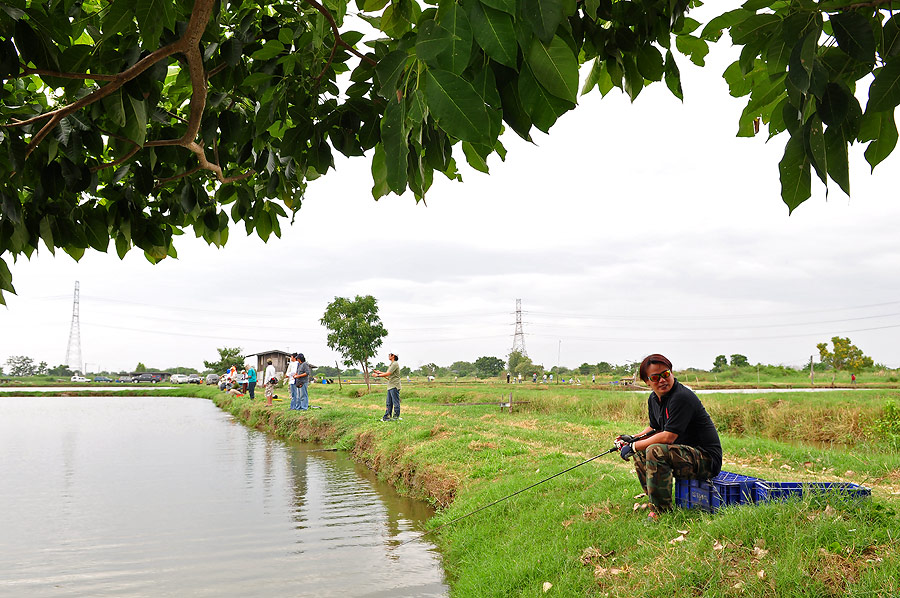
{"x": 655, "y": 377}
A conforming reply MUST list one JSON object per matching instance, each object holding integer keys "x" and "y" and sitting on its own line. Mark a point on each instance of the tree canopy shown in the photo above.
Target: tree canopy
{"x": 228, "y": 356}
{"x": 129, "y": 122}
{"x": 354, "y": 330}
{"x": 845, "y": 356}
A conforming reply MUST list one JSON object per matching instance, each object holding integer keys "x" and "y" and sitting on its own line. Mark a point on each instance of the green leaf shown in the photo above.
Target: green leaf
{"x": 634, "y": 82}
{"x": 834, "y": 104}
{"x": 453, "y": 18}
{"x": 801, "y": 63}
{"x": 673, "y": 76}
{"x": 650, "y": 63}
{"x": 891, "y": 37}
{"x": 118, "y": 18}
{"x": 884, "y": 93}
{"x": 814, "y": 137}
{"x": 34, "y": 47}
{"x": 694, "y": 47}
{"x": 854, "y": 35}
{"x": 152, "y": 17}
{"x": 777, "y": 57}
{"x": 388, "y": 72}
{"x": 881, "y": 129}
{"x": 598, "y": 77}
{"x": 794, "y": 169}
{"x": 474, "y": 159}
{"x": 544, "y": 16}
{"x": 458, "y": 109}
{"x": 494, "y": 31}
{"x": 713, "y": 30}
{"x": 555, "y": 67}
{"x": 270, "y": 50}
{"x": 541, "y": 106}
{"x": 507, "y": 6}
{"x": 5, "y": 278}
{"x": 396, "y": 148}
{"x": 754, "y": 27}
{"x": 113, "y": 108}
{"x": 836, "y": 155}
{"x": 380, "y": 188}
{"x": 431, "y": 41}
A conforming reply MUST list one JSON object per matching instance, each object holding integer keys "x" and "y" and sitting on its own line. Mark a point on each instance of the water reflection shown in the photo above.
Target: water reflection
{"x": 106, "y": 496}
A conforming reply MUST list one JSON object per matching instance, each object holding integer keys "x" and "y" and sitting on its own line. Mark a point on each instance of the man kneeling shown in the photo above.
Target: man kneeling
{"x": 680, "y": 440}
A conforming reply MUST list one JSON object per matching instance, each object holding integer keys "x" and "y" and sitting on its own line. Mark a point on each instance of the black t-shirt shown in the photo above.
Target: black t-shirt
{"x": 681, "y": 412}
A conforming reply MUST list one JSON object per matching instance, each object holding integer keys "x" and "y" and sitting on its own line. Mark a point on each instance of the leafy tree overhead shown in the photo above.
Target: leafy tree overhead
{"x": 131, "y": 121}
{"x": 228, "y": 356}
{"x": 354, "y": 330}
{"x": 488, "y": 367}
{"x": 845, "y": 356}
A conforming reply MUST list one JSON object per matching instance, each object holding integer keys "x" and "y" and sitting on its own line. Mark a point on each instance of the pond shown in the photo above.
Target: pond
{"x": 141, "y": 496}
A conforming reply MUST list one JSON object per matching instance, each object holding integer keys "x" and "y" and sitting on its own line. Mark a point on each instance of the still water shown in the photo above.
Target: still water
{"x": 141, "y": 496}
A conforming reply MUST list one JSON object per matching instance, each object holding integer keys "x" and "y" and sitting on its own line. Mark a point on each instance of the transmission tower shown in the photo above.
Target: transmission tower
{"x": 73, "y": 351}
{"x": 519, "y": 336}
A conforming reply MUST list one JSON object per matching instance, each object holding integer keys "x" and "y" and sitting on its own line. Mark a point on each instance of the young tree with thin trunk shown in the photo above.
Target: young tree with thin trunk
{"x": 354, "y": 330}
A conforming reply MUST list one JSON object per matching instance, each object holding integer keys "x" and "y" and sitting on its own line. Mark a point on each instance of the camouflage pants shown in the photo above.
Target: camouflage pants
{"x": 659, "y": 463}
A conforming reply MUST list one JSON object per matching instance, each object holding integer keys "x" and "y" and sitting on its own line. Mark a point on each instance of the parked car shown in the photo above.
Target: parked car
{"x": 178, "y": 379}
{"x": 124, "y": 379}
{"x": 102, "y": 379}
{"x": 212, "y": 378}
{"x": 79, "y": 379}
{"x": 195, "y": 379}
{"x": 145, "y": 377}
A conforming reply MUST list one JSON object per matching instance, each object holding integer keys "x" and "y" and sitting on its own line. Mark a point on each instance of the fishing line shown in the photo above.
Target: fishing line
{"x": 499, "y": 500}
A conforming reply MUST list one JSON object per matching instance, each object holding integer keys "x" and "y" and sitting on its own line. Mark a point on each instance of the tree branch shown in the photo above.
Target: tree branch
{"x": 337, "y": 35}
{"x": 94, "y": 77}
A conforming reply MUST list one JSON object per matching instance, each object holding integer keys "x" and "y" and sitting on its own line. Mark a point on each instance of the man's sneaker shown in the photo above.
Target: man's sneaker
{"x": 398, "y": 418}
{"x": 385, "y": 419}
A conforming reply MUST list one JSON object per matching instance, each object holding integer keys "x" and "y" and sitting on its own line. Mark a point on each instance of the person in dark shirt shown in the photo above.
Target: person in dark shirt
{"x": 681, "y": 439}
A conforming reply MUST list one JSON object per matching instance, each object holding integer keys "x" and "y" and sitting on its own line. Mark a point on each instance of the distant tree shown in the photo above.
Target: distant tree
{"x": 21, "y": 365}
{"x": 1, "y": 371}
{"x": 604, "y": 367}
{"x": 140, "y": 367}
{"x": 355, "y": 330}
{"x": 61, "y": 370}
{"x": 522, "y": 364}
{"x": 380, "y": 366}
{"x": 405, "y": 371}
{"x": 720, "y": 363}
{"x": 228, "y": 356}
{"x": 462, "y": 368}
{"x": 739, "y": 361}
{"x": 585, "y": 368}
{"x": 845, "y": 356}
{"x": 488, "y": 367}
{"x": 327, "y": 371}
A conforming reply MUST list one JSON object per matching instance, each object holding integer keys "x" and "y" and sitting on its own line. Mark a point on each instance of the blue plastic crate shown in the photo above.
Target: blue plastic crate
{"x": 726, "y": 489}
{"x": 766, "y": 490}
{"x": 733, "y": 489}
{"x": 693, "y": 494}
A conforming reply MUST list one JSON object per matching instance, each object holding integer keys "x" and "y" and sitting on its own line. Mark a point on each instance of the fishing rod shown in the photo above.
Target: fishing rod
{"x": 499, "y": 500}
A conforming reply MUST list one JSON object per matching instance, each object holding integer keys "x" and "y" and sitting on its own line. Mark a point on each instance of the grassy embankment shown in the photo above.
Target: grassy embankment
{"x": 579, "y": 531}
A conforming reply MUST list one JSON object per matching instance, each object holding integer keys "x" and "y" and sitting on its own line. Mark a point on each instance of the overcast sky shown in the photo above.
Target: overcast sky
{"x": 630, "y": 229}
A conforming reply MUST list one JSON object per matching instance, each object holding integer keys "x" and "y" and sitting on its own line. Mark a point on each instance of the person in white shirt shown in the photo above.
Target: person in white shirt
{"x": 270, "y": 380}
{"x": 295, "y": 388}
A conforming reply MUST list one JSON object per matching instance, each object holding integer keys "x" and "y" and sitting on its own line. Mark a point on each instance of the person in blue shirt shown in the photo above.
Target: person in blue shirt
{"x": 251, "y": 380}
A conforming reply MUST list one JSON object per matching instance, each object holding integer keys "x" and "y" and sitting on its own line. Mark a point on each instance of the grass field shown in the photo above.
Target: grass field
{"x": 579, "y": 532}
